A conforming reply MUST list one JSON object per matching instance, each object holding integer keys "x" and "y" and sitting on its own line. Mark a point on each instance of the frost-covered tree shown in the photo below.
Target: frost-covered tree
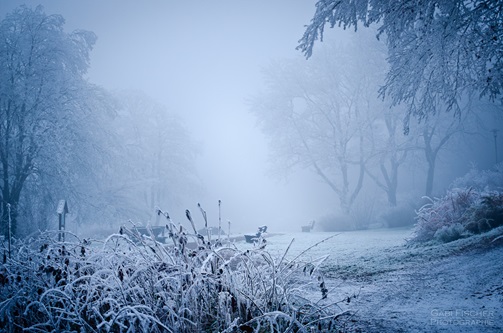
{"x": 325, "y": 114}
{"x": 318, "y": 115}
{"x": 41, "y": 92}
{"x": 75, "y": 161}
{"x": 390, "y": 150}
{"x": 156, "y": 163}
{"x": 438, "y": 50}
{"x": 440, "y": 132}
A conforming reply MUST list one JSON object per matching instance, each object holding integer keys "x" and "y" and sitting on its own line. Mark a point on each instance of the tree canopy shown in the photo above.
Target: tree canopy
{"x": 41, "y": 87}
{"x": 438, "y": 49}
{"x": 321, "y": 115}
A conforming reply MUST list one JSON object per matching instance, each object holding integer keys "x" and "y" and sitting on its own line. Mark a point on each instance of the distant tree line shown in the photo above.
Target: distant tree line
{"x": 111, "y": 156}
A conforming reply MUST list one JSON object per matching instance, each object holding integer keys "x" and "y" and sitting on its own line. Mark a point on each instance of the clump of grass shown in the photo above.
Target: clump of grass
{"x": 129, "y": 283}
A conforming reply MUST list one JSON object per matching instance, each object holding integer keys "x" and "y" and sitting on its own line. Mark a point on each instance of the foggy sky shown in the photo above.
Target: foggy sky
{"x": 202, "y": 59}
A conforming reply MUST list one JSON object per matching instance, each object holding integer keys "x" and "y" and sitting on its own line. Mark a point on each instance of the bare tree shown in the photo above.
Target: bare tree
{"x": 317, "y": 115}
{"x": 156, "y": 166}
{"x": 437, "y": 133}
{"x": 390, "y": 149}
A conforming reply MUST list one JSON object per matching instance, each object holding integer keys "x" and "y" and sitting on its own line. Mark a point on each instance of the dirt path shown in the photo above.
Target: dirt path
{"x": 454, "y": 288}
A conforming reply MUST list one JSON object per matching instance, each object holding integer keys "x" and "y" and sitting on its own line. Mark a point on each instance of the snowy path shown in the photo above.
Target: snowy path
{"x": 454, "y": 287}
{"x": 457, "y": 294}
{"x": 460, "y": 292}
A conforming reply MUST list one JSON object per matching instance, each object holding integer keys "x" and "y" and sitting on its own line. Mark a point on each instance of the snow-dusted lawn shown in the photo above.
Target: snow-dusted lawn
{"x": 376, "y": 282}
{"x": 343, "y": 247}
{"x": 454, "y": 287}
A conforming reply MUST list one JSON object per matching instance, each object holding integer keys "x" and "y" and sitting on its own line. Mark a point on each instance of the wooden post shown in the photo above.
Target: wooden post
{"x": 9, "y": 227}
{"x": 62, "y": 211}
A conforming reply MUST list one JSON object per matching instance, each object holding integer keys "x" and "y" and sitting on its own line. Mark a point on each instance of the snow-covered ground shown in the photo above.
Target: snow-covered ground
{"x": 379, "y": 281}
{"x": 454, "y": 287}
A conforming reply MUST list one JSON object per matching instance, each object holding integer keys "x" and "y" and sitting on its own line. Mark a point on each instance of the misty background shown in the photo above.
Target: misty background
{"x": 208, "y": 66}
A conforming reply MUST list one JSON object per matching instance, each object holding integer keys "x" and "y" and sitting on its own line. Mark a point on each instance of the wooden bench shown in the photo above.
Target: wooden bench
{"x": 157, "y": 231}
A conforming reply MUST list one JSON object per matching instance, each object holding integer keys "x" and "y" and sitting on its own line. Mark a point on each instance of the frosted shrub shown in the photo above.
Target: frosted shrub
{"x": 400, "y": 216}
{"x": 459, "y": 213}
{"x": 450, "y": 233}
{"x": 485, "y": 180}
{"x": 473, "y": 205}
{"x": 363, "y": 213}
{"x": 487, "y": 214}
{"x": 443, "y": 212}
{"x": 130, "y": 283}
{"x": 336, "y": 222}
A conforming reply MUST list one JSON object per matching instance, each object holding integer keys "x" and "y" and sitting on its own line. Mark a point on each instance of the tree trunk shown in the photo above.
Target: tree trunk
{"x": 431, "y": 156}
{"x": 358, "y": 186}
{"x": 393, "y": 185}
{"x": 345, "y": 204}
{"x": 430, "y": 177}
{"x": 5, "y": 211}
{"x": 391, "y": 197}
{"x": 4, "y": 220}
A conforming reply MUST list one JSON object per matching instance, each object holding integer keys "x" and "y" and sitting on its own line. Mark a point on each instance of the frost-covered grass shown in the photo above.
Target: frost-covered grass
{"x": 342, "y": 247}
{"x": 351, "y": 254}
{"x": 132, "y": 284}
{"x": 362, "y": 254}
{"x": 127, "y": 283}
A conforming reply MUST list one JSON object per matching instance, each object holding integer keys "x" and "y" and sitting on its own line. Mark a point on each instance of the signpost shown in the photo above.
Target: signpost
{"x": 62, "y": 211}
